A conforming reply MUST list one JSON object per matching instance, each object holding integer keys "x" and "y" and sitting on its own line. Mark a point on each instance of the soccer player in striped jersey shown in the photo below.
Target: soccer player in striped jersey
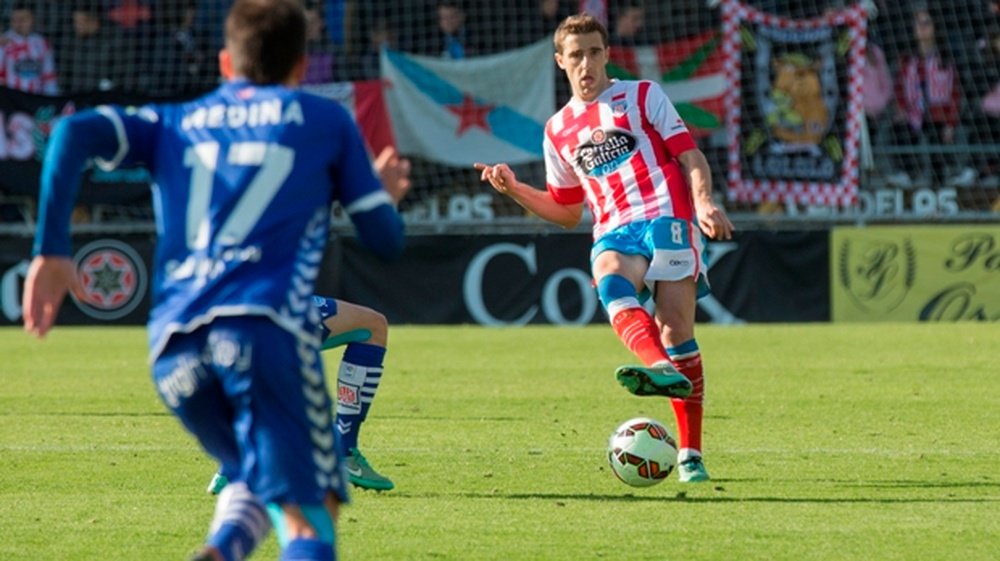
{"x": 620, "y": 148}
{"x": 243, "y": 182}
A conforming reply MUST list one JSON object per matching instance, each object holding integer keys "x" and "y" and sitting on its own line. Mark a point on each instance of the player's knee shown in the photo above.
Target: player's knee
{"x": 379, "y": 327}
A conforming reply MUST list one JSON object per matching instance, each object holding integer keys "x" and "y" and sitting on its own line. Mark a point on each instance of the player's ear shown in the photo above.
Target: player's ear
{"x": 558, "y": 57}
{"x": 299, "y": 72}
{"x": 225, "y": 64}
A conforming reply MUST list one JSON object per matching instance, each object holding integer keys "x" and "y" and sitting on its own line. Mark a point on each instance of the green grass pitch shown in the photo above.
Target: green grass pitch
{"x": 825, "y": 442}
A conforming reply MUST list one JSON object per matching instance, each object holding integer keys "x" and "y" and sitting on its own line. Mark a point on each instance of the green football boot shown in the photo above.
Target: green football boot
{"x": 217, "y": 483}
{"x": 662, "y": 380}
{"x": 692, "y": 470}
{"x": 362, "y": 475}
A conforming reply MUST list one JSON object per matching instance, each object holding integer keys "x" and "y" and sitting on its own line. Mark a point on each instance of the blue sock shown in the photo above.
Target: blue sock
{"x": 240, "y": 524}
{"x": 357, "y": 381}
{"x": 302, "y": 549}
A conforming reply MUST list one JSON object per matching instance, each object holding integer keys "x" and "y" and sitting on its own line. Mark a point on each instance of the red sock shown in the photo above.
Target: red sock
{"x": 689, "y": 412}
{"x": 636, "y": 328}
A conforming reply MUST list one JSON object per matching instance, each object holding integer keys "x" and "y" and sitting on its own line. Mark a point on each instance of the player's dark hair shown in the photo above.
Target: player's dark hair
{"x": 580, "y": 24}
{"x": 266, "y": 38}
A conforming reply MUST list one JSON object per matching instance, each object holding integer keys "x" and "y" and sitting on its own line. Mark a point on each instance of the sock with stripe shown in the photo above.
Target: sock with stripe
{"x": 241, "y": 522}
{"x": 689, "y": 412}
{"x": 357, "y": 381}
{"x": 631, "y": 322}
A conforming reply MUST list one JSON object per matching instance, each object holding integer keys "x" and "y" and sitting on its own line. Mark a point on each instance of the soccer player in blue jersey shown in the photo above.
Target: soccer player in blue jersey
{"x": 243, "y": 182}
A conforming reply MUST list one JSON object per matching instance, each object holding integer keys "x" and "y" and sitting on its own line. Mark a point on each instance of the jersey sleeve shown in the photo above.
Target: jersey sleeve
{"x": 96, "y": 135}
{"x": 136, "y": 131}
{"x": 662, "y": 114}
{"x": 561, "y": 180}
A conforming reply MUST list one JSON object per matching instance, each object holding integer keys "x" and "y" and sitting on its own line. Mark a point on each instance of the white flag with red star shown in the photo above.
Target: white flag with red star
{"x": 491, "y": 108}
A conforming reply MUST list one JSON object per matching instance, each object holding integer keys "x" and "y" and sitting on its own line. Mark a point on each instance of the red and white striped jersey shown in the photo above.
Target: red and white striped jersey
{"x": 618, "y": 153}
{"x": 26, "y": 64}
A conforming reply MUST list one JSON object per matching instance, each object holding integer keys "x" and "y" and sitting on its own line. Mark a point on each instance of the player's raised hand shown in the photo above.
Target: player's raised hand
{"x": 394, "y": 173}
{"x": 713, "y": 220}
{"x": 500, "y": 176}
{"x": 48, "y": 280}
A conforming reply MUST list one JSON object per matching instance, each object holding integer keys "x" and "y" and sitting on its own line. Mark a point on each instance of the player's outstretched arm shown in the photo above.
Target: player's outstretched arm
{"x": 503, "y": 180}
{"x": 712, "y": 218}
{"x": 75, "y": 140}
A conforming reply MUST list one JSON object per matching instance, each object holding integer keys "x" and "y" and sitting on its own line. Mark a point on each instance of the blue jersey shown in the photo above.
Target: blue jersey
{"x": 243, "y": 181}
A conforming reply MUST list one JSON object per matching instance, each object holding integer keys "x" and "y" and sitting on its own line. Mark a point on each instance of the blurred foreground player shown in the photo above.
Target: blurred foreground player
{"x": 244, "y": 179}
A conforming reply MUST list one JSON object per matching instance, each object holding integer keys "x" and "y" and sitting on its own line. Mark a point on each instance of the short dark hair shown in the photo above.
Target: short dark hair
{"x": 580, "y": 24}
{"x": 266, "y": 38}
{"x": 89, "y": 7}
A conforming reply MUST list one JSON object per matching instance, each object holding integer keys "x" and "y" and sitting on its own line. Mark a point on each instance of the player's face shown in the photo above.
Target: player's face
{"x": 22, "y": 22}
{"x": 583, "y": 58}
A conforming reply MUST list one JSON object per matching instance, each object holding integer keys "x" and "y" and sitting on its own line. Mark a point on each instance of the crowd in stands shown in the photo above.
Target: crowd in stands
{"x": 931, "y": 78}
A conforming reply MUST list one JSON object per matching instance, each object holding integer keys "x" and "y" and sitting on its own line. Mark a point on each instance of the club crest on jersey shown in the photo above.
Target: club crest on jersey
{"x": 618, "y": 108}
{"x": 113, "y": 277}
{"x": 605, "y": 151}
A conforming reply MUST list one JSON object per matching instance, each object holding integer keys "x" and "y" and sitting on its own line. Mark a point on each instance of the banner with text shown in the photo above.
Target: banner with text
{"x": 27, "y": 120}
{"x": 794, "y": 109}
{"x": 522, "y": 279}
{"x": 918, "y": 273}
{"x": 482, "y": 279}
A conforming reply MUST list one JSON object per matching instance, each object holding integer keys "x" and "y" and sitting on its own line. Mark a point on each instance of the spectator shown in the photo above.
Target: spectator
{"x": 26, "y": 61}
{"x": 928, "y": 96}
{"x": 175, "y": 63}
{"x": 985, "y": 112}
{"x": 877, "y": 83}
{"x": 130, "y": 14}
{"x": 319, "y": 50}
{"x": 381, "y": 35}
{"x": 544, "y": 17}
{"x": 628, "y": 19}
{"x": 452, "y": 36}
{"x": 87, "y": 57}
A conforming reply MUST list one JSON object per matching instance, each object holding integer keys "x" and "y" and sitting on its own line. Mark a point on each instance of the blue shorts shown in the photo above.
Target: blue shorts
{"x": 255, "y": 397}
{"x": 673, "y": 247}
{"x": 327, "y": 309}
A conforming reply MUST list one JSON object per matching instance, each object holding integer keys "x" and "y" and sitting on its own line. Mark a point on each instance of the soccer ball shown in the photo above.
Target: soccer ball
{"x": 642, "y": 452}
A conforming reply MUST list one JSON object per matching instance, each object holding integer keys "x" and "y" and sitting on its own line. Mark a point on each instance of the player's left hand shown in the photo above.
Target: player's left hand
{"x": 49, "y": 279}
{"x": 394, "y": 173}
{"x": 713, "y": 221}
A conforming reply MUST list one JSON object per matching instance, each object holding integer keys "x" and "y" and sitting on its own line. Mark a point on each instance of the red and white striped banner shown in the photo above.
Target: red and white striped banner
{"x": 794, "y": 112}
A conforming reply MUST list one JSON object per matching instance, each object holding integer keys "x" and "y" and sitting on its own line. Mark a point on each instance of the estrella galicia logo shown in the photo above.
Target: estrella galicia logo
{"x": 877, "y": 274}
{"x": 113, "y": 278}
{"x": 605, "y": 151}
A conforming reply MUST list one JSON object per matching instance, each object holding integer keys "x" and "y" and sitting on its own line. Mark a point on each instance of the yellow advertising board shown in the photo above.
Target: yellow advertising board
{"x": 915, "y": 273}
